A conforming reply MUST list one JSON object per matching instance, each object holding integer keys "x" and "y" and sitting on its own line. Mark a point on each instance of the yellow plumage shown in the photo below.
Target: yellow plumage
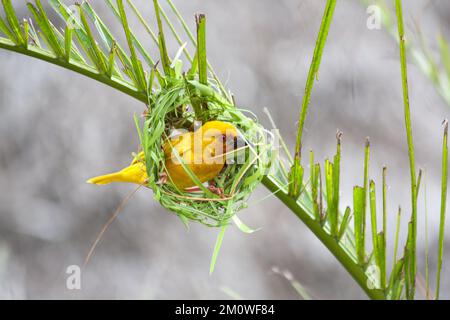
{"x": 135, "y": 173}
{"x": 202, "y": 151}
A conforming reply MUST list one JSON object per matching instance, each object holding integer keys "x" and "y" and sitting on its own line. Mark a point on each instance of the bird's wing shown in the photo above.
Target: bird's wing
{"x": 182, "y": 143}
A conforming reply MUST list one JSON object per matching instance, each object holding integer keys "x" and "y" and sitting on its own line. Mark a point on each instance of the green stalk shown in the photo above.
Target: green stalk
{"x": 359, "y": 224}
{"x": 397, "y": 234}
{"x": 373, "y": 216}
{"x": 344, "y": 224}
{"x": 427, "y": 247}
{"x": 111, "y": 59}
{"x": 366, "y": 183}
{"x": 296, "y": 172}
{"x": 96, "y": 52}
{"x": 443, "y": 208}
{"x": 382, "y": 259}
{"x": 13, "y": 22}
{"x": 332, "y": 212}
{"x": 201, "y": 49}
{"x": 404, "y": 72}
{"x": 175, "y": 33}
{"x": 137, "y": 65}
{"x": 165, "y": 60}
{"x": 383, "y": 267}
{"x": 143, "y": 22}
{"x": 314, "y": 69}
{"x": 5, "y": 29}
{"x": 384, "y": 203}
{"x": 191, "y": 37}
{"x": 314, "y": 178}
{"x": 336, "y": 181}
{"x": 68, "y": 42}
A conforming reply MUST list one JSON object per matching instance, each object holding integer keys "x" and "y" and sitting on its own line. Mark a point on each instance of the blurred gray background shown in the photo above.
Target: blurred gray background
{"x": 58, "y": 128}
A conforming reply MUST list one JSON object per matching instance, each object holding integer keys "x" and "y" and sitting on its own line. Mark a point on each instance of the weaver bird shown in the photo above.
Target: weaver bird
{"x": 204, "y": 151}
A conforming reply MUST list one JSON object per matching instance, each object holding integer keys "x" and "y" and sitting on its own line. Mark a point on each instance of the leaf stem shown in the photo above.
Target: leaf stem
{"x": 201, "y": 49}
{"x": 443, "y": 208}
{"x": 313, "y": 70}
{"x": 397, "y": 234}
{"x": 404, "y": 73}
{"x": 356, "y": 271}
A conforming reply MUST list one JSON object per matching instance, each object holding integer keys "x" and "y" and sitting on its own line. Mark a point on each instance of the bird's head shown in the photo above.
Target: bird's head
{"x": 227, "y": 133}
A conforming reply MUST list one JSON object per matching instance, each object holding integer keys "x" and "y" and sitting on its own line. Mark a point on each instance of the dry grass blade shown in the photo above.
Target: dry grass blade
{"x": 107, "y": 224}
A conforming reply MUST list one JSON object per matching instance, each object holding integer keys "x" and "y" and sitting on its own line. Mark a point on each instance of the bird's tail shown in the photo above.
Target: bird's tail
{"x": 106, "y": 179}
{"x": 133, "y": 174}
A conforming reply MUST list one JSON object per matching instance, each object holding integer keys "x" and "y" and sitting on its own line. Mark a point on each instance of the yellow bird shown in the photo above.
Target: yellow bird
{"x": 204, "y": 151}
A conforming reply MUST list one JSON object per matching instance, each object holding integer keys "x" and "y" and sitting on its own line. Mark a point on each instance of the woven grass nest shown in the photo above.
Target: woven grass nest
{"x": 172, "y": 108}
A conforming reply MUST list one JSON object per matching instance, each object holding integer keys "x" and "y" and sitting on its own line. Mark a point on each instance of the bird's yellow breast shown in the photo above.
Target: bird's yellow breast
{"x": 203, "y": 155}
